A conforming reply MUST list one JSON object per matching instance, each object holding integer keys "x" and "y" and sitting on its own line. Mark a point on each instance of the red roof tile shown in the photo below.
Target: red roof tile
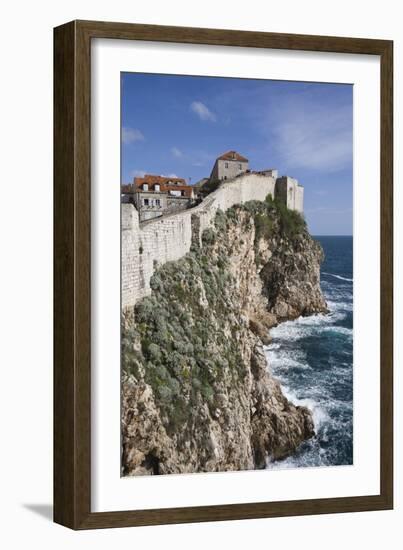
{"x": 151, "y": 179}
{"x": 166, "y": 184}
{"x": 232, "y": 155}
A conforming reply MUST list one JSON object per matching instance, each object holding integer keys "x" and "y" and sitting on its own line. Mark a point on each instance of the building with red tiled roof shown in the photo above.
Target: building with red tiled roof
{"x": 228, "y": 166}
{"x": 155, "y": 195}
{"x": 163, "y": 184}
{"x": 154, "y": 179}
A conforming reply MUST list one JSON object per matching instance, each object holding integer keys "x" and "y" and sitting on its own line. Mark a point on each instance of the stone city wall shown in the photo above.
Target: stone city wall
{"x": 168, "y": 238}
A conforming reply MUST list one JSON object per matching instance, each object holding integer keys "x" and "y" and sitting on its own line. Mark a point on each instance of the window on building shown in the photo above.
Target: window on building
{"x": 156, "y": 188}
{"x": 158, "y": 202}
{"x": 240, "y": 166}
{"x": 146, "y": 202}
{"x": 226, "y": 165}
{"x": 145, "y": 186}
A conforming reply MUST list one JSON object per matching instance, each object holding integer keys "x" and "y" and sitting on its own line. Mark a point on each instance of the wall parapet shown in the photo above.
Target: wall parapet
{"x": 168, "y": 238}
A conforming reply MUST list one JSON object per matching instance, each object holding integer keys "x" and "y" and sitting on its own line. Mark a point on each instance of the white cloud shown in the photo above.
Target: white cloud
{"x": 315, "y": 137}
{"x": 202, "y": 111}
{"x": 177, "y": 153}
{"x": 202, "y": 158}
{"x": 129, "y": 135}
{"x": 169, "y": 176}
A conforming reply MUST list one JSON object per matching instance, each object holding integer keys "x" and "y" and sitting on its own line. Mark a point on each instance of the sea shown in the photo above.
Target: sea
{"x": 312, "y": 357}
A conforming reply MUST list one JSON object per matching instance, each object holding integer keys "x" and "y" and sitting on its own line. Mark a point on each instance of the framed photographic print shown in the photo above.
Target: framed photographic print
{"x": 223, "y": 275}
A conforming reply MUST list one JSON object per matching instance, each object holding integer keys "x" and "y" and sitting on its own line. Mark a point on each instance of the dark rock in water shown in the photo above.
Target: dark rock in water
{"x": 197, "y": 393}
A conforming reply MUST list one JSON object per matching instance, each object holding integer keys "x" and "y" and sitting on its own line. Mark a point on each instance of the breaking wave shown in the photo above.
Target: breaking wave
{"x": 337, "y": 276}
{"x": 312, "y": 357}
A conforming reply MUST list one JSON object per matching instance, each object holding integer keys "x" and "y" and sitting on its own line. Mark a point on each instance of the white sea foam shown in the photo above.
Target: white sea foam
{"x": 313, "y": 385}
{"x": 304, "y": 326}
{"x": 339, "y": 330}
{"x": 319, "y": 414}
{"x": 336, "y": 306}
{"x": 338, "y": 277}
{"x": 271, "y": 347}
{"x": 308, "y": 460}
{"x": 285, "y": 360}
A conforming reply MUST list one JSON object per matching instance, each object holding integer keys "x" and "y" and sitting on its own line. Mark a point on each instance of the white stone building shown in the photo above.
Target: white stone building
{"x": 287, "y": 189}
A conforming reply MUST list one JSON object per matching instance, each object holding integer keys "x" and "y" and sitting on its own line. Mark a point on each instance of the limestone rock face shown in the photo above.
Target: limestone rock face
{"x": 291, "y": 278}
{"x": 197, "y": 393}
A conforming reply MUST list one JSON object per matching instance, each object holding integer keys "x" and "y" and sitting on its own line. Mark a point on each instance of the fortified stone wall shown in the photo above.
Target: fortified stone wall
{"x": 299, "y": 199}
{"x": 131, "y": 269}
{"x": 175, "y": 204}
{"x": 290, "y": 193}
{"x": 157, "y": 241}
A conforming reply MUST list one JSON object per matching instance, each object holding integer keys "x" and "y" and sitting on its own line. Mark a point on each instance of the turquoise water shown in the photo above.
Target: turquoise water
{"x": 312, "y": 357}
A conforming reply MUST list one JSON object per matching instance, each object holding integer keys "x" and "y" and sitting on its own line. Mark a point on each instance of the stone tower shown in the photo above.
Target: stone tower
{"x": 290, "y": 192}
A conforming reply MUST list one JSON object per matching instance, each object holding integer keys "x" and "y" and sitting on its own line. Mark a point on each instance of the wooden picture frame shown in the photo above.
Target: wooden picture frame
{"x": 72, "y": 271}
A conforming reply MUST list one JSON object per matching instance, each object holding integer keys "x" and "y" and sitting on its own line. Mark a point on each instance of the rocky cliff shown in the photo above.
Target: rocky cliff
{"x": 197, "y": 393}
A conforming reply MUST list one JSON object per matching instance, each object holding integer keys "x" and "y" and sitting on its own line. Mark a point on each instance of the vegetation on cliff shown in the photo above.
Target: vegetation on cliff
{"x": 184, "y": 349}
{"x": 192, "y": 352}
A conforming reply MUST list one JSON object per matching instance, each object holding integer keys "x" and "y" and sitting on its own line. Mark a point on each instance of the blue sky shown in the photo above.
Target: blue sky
{"x": 180, "y": 124}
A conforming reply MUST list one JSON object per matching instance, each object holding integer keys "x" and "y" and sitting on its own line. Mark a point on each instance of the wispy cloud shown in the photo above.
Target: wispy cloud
{"x": 169, "y": 175}
{"x": 202, "y": 111}
{"x": 177, "y": 153}
{"x": 129, "y": 135}
{"x": 314, "y": 137}
{"x": 202, "y": 158}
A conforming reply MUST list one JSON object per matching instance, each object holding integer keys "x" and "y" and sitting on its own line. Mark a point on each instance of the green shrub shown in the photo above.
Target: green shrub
{"x": 154, "y": 352}
{"x": 263, "y": 226}
{"x": 165, "y": 393}
{"x": 208, "y": 187}
{"x": 220, "y": 221}
{"x": 207, "y": 392}
{"x": 208, "y": 236}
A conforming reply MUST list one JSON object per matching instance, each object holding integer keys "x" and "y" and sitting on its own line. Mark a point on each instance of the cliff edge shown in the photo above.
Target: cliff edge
{"x": 197, "y": 393}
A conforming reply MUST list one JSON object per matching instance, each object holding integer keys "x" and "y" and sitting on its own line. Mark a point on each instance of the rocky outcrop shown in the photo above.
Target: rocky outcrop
{"x": 197, "y": 393}
{"x": 291, "y": 279}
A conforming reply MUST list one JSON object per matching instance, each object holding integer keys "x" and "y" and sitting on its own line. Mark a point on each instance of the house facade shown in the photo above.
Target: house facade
{"x": 155, "y": 195}
{"x": 228, "y": 166}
